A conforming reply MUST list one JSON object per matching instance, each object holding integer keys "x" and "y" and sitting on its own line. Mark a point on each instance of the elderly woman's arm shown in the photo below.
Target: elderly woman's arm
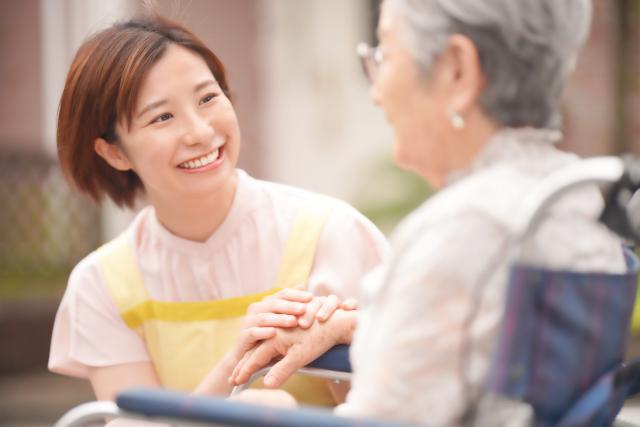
{"x": 413, "y": 340}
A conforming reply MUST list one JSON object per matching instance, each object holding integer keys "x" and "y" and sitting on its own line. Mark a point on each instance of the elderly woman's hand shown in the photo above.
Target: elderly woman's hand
{"x": 295, "y": 347}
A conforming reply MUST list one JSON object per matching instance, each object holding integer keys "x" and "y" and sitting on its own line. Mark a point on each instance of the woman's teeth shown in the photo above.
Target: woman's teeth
{"x": 202, "y": 161}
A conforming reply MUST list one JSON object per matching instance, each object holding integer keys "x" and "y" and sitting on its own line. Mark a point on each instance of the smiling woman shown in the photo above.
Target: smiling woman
{"x": 189, "y": 126}
{"x": 145, "y": 109}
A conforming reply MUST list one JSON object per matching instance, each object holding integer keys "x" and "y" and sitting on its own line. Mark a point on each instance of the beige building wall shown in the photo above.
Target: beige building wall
{"x": 322, "y": 131}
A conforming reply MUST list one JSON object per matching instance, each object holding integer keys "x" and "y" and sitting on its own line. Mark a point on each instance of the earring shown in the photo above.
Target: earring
{"x": 457, "y": 121}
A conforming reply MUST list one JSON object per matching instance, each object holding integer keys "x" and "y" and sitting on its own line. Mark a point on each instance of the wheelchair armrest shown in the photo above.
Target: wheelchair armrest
{"x": 162, "y": 405}
{"x": 335, "y": 359}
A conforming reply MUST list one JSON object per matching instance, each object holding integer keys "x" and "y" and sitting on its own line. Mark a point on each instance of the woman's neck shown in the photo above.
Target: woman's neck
{"x": 197, "y": 218}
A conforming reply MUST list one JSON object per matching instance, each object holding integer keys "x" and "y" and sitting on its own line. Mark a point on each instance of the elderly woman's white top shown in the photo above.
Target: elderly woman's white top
{"x": 407, "y": 348}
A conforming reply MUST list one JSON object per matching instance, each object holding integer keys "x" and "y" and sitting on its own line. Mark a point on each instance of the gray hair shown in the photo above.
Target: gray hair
{"x": 526, "y": 49}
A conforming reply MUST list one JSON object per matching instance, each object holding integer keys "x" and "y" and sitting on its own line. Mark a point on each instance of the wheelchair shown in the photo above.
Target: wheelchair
{"x": 584, "y": 318}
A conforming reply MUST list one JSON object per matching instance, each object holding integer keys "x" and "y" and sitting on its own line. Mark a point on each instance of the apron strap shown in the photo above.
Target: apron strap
{"x": 121, "y": 273}
{"x": 300, "y": 248}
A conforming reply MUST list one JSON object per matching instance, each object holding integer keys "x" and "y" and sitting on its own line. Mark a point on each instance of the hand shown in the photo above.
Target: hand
{"x": 280, "y": 310}
{"x": 322, "y": 308}
{"x": 266, "y": 397}
{"x": 297, "y": 347}
{"x": 216, "y": 381}
{"x": 293, "y": 307}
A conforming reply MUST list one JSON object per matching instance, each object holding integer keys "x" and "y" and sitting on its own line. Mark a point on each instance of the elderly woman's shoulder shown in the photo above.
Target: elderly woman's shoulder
{"x": 493, "y": 195}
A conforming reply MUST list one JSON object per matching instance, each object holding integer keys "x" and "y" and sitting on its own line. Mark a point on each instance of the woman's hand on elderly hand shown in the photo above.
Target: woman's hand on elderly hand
{"x": 321, "y": 308}
{"x": 293, "y": 307}
{"x": 280, "y": 310}
{"x": 295, "y": 347}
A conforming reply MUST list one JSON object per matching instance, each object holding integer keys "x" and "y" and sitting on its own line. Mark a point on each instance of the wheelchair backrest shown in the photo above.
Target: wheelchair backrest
{"x": 561, "y": 332}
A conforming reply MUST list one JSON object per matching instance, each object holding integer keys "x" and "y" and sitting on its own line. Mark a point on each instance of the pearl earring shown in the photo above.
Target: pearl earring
{"x": 457, "y": 121}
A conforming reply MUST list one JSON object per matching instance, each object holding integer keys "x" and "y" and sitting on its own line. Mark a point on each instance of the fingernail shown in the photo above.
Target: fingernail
{"x": 303, "y": 323}
{"x": 268, "y": 381}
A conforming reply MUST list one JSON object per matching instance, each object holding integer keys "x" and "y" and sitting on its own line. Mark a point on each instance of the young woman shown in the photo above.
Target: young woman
{"x": 145, "y": 109}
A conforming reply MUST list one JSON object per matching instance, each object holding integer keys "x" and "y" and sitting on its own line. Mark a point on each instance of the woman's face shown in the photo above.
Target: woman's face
{"x": 184, "y": 137}
{"x": 414, "y": 105}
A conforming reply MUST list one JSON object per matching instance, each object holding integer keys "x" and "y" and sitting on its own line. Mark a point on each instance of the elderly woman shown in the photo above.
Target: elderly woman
{"x": 472, "y": 90}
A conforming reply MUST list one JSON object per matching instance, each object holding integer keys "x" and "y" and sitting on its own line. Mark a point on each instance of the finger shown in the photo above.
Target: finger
{"x": 282, "y": 370}
{"x": 261, "y": 357}
{"x": 329, "y": 306}
{"x": 349, "y": 304}
{"x": 306, "y": 320}
{"x": 295, "y": 295}
{"x": 238, "y": 367}
{"x": 277, "y": 305}
{"x": 274, "y": 320}
{"x": 248, "y": 338}
{"x": 281, "y": 306}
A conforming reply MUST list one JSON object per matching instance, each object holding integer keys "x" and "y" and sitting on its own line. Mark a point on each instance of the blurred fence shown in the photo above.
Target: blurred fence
{"x": 45, "y": 228}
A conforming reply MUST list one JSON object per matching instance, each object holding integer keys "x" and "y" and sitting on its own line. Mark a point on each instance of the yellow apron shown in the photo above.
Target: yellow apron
{"x": 185, "y": 340}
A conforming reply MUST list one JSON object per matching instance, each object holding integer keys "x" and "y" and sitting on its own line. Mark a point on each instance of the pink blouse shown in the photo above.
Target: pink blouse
{"x": 242, "y": 257}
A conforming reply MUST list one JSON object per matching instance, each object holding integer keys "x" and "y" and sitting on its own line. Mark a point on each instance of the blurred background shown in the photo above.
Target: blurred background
{"x": 306, "y": 120}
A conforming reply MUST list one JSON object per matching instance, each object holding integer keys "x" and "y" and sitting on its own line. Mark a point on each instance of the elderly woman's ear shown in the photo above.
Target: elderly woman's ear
{"x": 460, "y": 72}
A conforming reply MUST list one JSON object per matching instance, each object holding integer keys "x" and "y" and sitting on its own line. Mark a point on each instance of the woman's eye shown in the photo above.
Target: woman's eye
{"x": 162, "y": 118}
{"x": 208, "y": 98}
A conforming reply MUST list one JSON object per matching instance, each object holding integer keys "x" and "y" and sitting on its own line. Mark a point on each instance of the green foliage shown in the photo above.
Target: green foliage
{"x": 390, "y": 194}
{"x": 24, "y": 282}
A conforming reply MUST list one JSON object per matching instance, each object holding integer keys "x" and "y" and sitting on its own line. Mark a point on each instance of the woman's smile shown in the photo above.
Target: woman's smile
{"x": 204, "y": 163}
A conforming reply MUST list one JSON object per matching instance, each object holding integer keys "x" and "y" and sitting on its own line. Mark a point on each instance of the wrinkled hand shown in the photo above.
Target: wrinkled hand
{"x": 295, "y": 348}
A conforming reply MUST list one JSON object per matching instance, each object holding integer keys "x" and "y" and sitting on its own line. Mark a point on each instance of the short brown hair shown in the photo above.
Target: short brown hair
{"x": 102, "y": 88}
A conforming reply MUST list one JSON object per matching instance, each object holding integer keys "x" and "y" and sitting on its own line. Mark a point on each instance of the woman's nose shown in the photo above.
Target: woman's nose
{"x": 198, "y": 129}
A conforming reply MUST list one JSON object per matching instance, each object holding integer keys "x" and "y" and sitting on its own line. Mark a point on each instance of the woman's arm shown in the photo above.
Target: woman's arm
{"x": 108, "y": 381}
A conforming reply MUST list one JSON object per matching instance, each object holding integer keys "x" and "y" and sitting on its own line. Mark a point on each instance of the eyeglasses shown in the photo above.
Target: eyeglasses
{"x": 371, "y": 58}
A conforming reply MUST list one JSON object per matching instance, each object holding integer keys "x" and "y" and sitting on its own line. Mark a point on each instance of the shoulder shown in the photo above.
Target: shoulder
{"x": 343, "y": 221}
{"x": 283, "y": 196}
{"x": 289, "y": 201}
{"x": 86, "y": 274}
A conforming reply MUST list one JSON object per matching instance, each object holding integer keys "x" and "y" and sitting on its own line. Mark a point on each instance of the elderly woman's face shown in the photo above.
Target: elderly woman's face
{"x": 415, "y": 105}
